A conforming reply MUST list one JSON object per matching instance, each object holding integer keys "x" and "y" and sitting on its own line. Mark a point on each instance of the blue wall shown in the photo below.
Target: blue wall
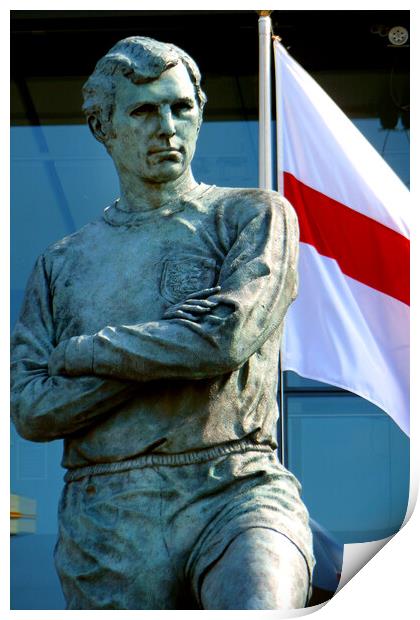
{"x": 350, "y": 457}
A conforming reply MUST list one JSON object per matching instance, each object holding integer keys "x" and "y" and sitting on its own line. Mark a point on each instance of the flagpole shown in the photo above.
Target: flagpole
{"x": 265, "y": 179}
{"x": 279, "y": 117}
{"x": 280, "y": 189}
{"x": 265, "y": 157}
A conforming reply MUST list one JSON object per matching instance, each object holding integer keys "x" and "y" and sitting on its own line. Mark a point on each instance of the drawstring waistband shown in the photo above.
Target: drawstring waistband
{"x": 147, "y": 460}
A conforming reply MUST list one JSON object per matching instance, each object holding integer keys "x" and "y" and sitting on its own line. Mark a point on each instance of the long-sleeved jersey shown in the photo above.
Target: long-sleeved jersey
{"x": 132, "y": 381}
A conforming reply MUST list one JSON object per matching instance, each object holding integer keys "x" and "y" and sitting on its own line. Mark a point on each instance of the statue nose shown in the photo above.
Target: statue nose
{"x": 167, "y": 125}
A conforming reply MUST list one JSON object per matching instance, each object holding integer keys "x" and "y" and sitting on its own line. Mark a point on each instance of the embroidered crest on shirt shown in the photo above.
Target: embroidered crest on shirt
{"x": 186, "y": 275}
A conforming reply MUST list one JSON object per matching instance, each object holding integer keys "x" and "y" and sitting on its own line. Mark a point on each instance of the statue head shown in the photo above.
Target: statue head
{"x": 140, "y": 60}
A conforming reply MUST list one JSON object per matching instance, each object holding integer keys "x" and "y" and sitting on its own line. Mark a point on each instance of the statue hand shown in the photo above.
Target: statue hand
{"x": 195, "y": 307}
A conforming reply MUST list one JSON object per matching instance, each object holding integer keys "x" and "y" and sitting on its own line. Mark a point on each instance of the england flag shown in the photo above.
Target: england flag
{"x": 349, "y": 326}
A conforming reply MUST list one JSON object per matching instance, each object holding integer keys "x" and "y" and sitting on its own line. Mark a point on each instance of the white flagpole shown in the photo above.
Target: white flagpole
{"x": 264, "y": 125}
{"x": 265, "y": 156}
{"x": 279, "y": 117}
{"x": 280, "y": 189}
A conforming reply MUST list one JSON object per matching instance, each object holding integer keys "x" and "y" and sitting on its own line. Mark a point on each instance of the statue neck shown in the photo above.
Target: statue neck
{"x": 142, "y": 195}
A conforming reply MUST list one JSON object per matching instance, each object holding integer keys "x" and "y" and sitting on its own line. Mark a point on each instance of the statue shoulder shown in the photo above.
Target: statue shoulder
{"x": 75, "y": 241}
{"x": 253, "y": 200}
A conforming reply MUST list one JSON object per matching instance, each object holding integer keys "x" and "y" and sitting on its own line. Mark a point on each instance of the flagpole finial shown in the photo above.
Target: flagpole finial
{"x": 264, "y": 13}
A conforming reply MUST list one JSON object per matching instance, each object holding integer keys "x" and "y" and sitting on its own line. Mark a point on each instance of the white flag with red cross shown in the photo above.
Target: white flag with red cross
{"x": 349, "y": 326}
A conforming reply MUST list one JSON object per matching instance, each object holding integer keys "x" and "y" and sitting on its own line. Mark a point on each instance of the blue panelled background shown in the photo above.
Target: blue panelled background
{"x": 351, "y": 458}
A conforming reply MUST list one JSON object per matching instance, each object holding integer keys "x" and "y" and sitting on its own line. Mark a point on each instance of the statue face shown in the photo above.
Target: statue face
{"x": 155, "y": 126}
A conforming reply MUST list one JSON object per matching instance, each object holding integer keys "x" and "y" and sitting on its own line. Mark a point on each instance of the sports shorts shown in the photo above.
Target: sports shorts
{"x": 143, "y": 535}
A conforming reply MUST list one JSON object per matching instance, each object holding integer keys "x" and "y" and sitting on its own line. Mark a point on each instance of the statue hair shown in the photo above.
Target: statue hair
{"x": 141, "y": 60}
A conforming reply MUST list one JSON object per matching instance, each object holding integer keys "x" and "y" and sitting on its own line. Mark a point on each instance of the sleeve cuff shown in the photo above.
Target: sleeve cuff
{"x": 78, "y": 355}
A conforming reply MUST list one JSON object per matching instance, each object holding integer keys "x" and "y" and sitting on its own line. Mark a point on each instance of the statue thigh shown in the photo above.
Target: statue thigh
{"x": 260, "y": 569}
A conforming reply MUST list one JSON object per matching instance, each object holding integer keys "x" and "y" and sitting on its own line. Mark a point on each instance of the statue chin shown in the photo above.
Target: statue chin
{"x": 167, "y": 170}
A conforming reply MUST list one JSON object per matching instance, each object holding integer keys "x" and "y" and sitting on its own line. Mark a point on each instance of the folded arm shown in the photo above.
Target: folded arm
{"x": 257, "y": 283}
{"x": 48, "y": 407}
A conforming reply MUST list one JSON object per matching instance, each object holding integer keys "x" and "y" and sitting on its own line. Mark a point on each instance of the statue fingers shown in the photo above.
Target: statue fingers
{"x": 177, "y": 313}
{"x": 205, "y": 292}
{"x": 204, "y": 304}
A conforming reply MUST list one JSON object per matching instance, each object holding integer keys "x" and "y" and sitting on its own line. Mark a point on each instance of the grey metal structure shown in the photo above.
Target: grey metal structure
{"x": 149, "y": 341}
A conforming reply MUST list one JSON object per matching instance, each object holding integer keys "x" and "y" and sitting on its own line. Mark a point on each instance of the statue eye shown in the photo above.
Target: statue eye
{"x": 146, "y": 108}
{"x": 182, "y": 106}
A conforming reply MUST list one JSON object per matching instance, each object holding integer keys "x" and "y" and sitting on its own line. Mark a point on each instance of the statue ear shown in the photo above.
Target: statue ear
{"x": 96, "y": 128}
